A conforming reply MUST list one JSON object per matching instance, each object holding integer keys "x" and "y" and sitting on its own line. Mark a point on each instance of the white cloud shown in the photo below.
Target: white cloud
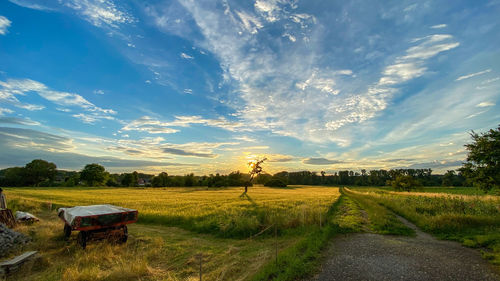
{"x": 245, "y": 139}
{"x": 100, "y": 12}
{"x": 150, "y": 125}
{"x": 188, "y": 91}
{"x": 5, "y": 110}
{"x": 186, "y": 56}
{"x": 28, "y": 4}
{"x": 4, "y": 25}
{"x": 438, "y": 26}
{"x": 490, "y": 80}
{"x": 249, "y": 22}
{"x": 472, "y": 75}
{"x": 20, "y": 87}
{"x": 155, "y": 126}
{"x": 485, "y": 104}
{"x": 290, "y": 91}
{"x": 99, "y": 92}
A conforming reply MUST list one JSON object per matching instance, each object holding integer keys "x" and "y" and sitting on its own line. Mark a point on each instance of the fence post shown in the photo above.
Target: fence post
{"x": 276, "y": 242}
{"x": 201, "y": 259}
{"x": 320, "y": 218}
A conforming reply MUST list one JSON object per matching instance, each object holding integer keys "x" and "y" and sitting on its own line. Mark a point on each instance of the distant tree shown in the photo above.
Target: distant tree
{"x": 130, "y": 179}
{"x": 189, "y": 180}
{"x": 38, "y": 171}
{"x": 256, "y": 169}
{"x": 160, "y": 180}
{"x": 262, "y": 178}
{"x": 482, "y": 166}
{"x": 405, "y": 183}
{"x": 275, "y": 183}
{"x": 93, "y": 174}
{"x": 13, "y": 177}
{"x": 448, "y": 178}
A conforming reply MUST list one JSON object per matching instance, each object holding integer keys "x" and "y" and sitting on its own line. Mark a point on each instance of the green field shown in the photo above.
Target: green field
{"x": 235, "y": 234}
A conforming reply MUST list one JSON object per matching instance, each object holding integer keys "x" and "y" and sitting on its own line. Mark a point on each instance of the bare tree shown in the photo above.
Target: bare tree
{"x": 256, "y": 169}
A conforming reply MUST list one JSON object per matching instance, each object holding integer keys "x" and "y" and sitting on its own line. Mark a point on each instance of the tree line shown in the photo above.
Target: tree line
{"x": 43, "y": 173}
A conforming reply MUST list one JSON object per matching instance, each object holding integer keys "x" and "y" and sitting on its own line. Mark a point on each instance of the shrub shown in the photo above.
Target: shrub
{"x": 275, "y": 183}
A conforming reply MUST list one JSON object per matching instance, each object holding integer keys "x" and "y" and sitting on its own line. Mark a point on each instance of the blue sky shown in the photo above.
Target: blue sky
{"x": 204, "y": 86}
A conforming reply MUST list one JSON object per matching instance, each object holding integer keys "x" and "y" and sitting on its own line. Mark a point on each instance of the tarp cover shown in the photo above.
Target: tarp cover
{"x": 25, "y": 216}
{"x": 94, "y": 210}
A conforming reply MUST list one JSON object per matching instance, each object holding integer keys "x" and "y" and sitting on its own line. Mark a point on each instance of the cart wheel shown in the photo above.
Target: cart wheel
{"x": 124, "y": 238}
{"x": 82, "y": 239}
{"x": 67, "y": 231}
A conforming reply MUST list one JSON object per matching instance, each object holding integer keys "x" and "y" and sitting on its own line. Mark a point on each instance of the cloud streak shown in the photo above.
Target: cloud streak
{"x": 473, "y": 75}
{"x": 4, "y": 25}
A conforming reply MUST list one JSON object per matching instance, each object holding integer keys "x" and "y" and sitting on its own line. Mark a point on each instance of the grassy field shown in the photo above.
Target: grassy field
{"x": 217, "y": 211}
{"x": 164, "y": 245}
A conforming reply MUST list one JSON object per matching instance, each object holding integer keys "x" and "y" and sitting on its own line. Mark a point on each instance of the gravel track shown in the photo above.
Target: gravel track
{"x": 368, "y": 256}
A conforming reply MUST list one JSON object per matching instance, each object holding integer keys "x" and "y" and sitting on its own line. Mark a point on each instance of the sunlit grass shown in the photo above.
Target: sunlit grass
{"x": 156, "y": 251}
{"x": 220, "y": 211}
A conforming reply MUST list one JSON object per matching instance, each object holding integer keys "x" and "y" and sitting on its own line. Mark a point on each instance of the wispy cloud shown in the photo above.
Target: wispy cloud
{"x": 293, "y": 97}
{"x": 485, "y": 104}
{"x": 100, "y": 12}
{"x": 439, "y": 26}
{"x": 31, "y": 5}
{"x": 150, "y": 125}
{"x": 5, "y": 110}
{"x": 473, "y": 75}
{"x": 13, "y": 87}
{"x": 18, "y": 121}
{"x": 4, "y": 25}
{"x": 155, "y": 126}
{"x": 186, "y": 56}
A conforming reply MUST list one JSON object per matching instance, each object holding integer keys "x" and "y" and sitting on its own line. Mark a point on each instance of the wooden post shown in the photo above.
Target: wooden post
{"x": 319, "y": 218}
{"x": 303, "y": 214}
{"x": 201, "y": 273}
{"x": 276, "y": 242}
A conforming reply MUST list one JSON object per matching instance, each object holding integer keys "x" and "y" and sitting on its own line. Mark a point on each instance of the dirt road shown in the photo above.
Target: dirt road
{"x": 367, "y": 256}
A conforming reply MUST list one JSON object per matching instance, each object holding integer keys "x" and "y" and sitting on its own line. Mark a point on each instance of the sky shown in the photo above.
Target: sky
{"x": 204, "y": 86}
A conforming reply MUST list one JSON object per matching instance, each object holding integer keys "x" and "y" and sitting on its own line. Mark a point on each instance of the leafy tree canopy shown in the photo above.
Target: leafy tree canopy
{"x": 93, "y": 174}
{"x": 38, "y": 171}
{"x": 483, "y": 160}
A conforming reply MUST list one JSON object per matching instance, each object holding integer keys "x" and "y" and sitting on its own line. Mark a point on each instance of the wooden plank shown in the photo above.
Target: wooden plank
{"x": 7, "y": 218}
{"x": 19, "y": 259}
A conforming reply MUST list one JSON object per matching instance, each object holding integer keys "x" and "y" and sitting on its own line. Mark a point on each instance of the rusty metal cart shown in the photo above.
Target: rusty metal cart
{"x": 97, "y": 222}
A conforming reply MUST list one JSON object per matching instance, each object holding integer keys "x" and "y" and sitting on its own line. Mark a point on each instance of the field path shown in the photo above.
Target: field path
{"x": 368, "y": 256}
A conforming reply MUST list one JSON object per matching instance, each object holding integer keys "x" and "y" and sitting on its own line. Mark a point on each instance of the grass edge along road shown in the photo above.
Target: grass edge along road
{"x": 471, "y": 220}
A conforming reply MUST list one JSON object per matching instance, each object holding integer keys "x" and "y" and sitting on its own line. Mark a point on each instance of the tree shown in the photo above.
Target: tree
{"x": 482, "y": 166}
{"x": 405, "y": 183}
{"x": 448, "y": 178}
{"x": 14, "y": 176}
{"x": 160, "y": 180}
{"x": 93, "y": 174}
{"x": 38, "y": 171}
{"x": 256, "y": 170}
